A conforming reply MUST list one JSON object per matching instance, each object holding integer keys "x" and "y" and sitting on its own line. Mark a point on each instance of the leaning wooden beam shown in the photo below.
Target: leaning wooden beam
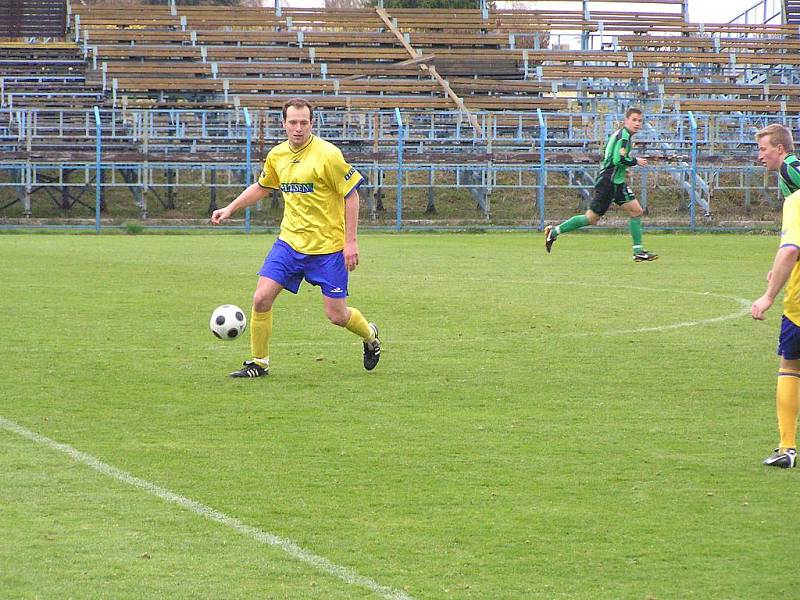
{"x": 432, "y": 71}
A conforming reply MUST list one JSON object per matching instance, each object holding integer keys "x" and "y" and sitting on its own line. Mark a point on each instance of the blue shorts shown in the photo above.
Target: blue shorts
{"x": 289, "y": 267}
{"x": 789, "y": 340}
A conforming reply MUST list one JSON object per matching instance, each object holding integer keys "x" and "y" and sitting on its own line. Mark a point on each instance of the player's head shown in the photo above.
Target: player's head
{"x": 634, "y": 117}
{"x": 774, "y": 143}
{"x": 298, "y": 115}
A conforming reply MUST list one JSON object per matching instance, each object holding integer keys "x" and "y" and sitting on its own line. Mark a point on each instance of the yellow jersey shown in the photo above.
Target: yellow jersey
{"x": 790, "y": 236}
{"x": 314, "y": 180}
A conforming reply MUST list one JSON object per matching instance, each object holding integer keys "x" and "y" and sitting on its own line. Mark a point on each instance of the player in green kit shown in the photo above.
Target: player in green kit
{"x": 776, "y": 153}
{"x": 610, "y": 186}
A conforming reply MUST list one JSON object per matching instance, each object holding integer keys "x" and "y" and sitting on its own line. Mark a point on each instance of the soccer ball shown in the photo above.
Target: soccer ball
{"x": 228, "y": 322}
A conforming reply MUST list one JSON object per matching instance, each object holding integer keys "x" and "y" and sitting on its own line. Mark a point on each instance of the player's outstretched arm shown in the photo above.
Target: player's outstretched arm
{"x": 248, "y": 197}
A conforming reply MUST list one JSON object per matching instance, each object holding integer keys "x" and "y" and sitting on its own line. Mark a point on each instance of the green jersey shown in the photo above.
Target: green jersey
{"x": 617, "y": 157}
{"x": 790, "y": 175}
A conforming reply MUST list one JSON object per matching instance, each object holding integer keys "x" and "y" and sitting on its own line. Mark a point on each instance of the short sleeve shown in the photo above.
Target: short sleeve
{"x": 790, "y": 231}
{"x": 268, "y": 177}
{"x": 343, "y": 178}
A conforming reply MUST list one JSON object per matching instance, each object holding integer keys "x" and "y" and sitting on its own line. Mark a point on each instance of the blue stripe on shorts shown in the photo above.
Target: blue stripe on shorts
{"x": 289, "y": 267}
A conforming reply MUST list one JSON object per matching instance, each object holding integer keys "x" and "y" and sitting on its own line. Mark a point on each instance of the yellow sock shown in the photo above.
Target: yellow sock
{"x": 786, "y": 401}
{"x": 260, "y": 333}
{"x": 358, "y": 325}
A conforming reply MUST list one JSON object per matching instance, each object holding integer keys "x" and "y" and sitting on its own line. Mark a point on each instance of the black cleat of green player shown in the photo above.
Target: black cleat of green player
{"x": 644, "y": 256}
{"x": 549, "y": 237}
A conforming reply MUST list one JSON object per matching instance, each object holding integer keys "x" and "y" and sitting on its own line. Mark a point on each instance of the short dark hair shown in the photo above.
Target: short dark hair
{"x": 298, "y": 103}
{"x": 633, "y": 111}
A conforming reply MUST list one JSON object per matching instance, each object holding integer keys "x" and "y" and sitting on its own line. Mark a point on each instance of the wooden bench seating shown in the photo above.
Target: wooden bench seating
{"x": 644, "y": 58}
{"x": 750, "y": 106}
{"x": 282, "y": 85}
{"x": 696, "y": 43}
{"x": 732, "y": 89}
{"x": 625, "y": 73}
{"x": 107, "y": 36}
{"x": 464, "y": 86}
{"x": 140, "y": 19}
{"x": 255, "y": 69}
{"x": 409, "y": 102}
{"x": 351, "y": 57}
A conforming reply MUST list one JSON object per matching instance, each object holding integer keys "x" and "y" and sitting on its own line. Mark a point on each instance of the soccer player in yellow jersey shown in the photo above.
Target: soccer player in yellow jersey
{"x": 775, "y": 151}
{"x": 317, "y": 240}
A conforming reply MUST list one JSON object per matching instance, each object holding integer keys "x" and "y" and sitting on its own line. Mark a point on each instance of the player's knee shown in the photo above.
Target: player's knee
{"x": 635, "y": 212}
{"x": 261, "y": 302}
{"x": 592, "y": 217}
{"x": 337, "y": 317}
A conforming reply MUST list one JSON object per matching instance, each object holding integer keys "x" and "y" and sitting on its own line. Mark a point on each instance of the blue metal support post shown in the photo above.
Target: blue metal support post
{"x": 97, "y": 169}
{"x": 542, "y": 167}
{"x": 401, "y": 134}
{"x": 693, "y": 189}
{"x": 248, "y": 170}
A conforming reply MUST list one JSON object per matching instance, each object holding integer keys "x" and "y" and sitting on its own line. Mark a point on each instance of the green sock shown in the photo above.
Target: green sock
{"x": 572, "y": 224}
{"x": 636, "y": 233}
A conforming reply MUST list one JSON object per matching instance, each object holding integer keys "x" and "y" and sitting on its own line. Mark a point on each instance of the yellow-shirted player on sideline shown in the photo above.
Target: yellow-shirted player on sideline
{"x": 317, "y": 240}
{"x": 776, "y": 153}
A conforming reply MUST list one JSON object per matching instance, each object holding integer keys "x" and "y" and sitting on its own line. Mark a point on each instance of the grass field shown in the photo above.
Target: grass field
{"x": 563, "y": 426}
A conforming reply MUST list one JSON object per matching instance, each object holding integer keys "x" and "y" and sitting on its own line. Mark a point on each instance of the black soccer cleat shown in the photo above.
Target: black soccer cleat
{"x": 250, "y": 369}
{"x": 644, "y": 256}
{"x": 372, "y": 350}
{"x": 782, "y": 460}
{"x": 549, "y": 237}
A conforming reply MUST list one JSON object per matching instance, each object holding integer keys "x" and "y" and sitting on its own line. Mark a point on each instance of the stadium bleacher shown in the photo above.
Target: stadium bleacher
{"x": 488, "y": 68}
{"x": 255, "y": 57}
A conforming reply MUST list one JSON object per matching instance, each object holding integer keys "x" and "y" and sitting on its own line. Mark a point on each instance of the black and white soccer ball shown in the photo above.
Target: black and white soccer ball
{"x": 228, "y": 322}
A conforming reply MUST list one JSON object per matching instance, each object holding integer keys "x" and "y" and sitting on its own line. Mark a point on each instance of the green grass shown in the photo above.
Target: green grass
{"x": 511, "y": 444}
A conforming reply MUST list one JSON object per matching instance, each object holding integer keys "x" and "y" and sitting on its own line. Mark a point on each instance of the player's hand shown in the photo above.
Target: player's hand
{"x": 351, "y": 255}
{"x": 642, "y": 162}
{"x": 220, "y": 215}
{"x": 760, "y": 307}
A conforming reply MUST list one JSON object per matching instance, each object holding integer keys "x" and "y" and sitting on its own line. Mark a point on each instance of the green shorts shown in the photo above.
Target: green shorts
{"x": 606, "y": 192}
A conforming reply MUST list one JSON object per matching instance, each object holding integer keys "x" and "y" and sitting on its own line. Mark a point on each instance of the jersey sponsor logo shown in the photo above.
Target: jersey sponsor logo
{"x": 297, "y": 188}
{"x": 350, "y": 173}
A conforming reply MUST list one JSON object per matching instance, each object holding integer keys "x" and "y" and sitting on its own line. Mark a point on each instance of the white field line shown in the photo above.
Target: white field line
{"x": 744, "y": 308}
{"x": 288, "y": 546}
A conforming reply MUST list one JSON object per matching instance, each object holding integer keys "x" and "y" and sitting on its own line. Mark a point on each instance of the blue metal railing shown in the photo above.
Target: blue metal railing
{"x": 98, "y": 178}
{"x": 542, "y": 166}
{"x": 170, "y": 132}
{"x": 765, "y": 11}
{"x": 693, "y": 192}
{"x": 248, "y": 163}
{"x": 681, "y": 134}
{"x": 401, "y": 134}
